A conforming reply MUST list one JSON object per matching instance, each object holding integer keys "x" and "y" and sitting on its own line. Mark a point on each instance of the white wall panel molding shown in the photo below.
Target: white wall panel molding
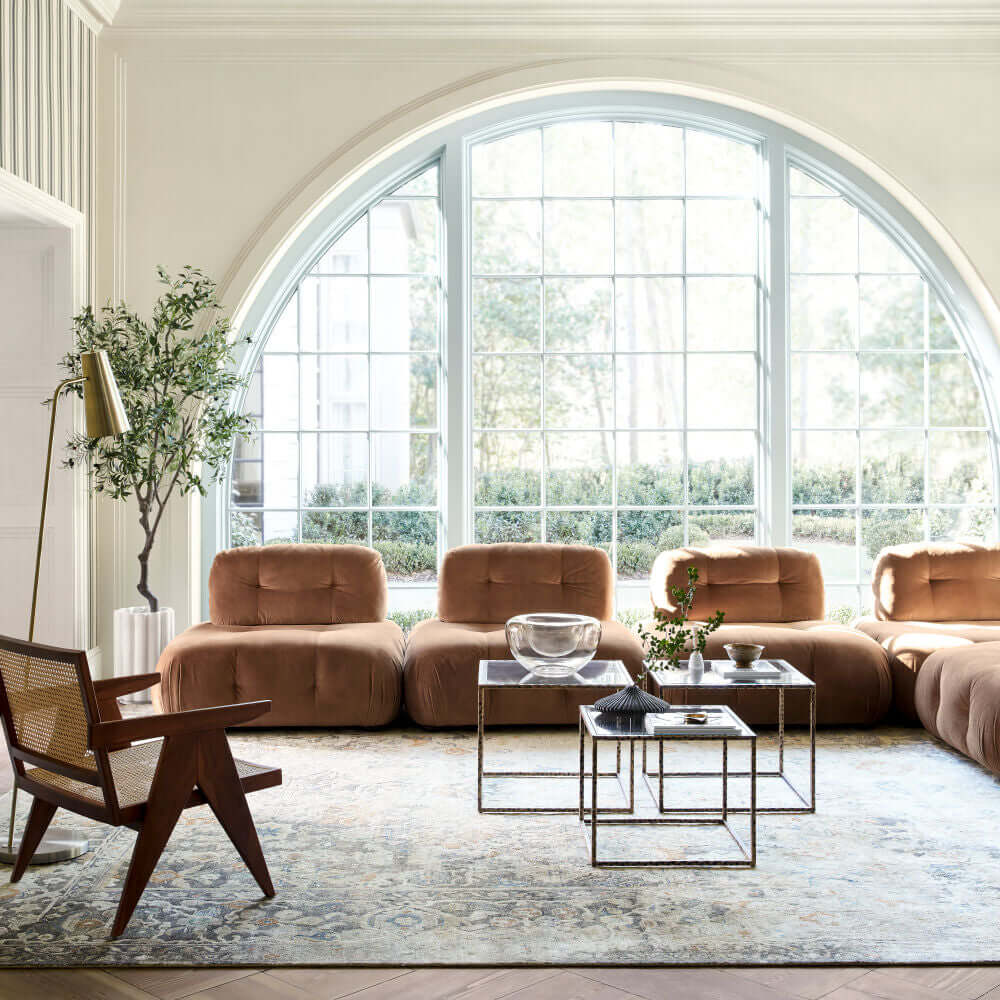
{"x": 95, "y": 14}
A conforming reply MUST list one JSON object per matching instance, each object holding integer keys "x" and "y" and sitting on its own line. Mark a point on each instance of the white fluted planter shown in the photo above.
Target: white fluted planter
{"x": 140, "y": 635}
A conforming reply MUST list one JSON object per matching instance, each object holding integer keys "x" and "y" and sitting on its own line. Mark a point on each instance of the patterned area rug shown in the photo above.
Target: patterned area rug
{"x": 379, "y": 856}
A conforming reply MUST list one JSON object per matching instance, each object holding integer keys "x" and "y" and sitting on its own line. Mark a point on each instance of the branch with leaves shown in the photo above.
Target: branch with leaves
{"x": 176, "y": 386}
{"x": 670, "y": 636}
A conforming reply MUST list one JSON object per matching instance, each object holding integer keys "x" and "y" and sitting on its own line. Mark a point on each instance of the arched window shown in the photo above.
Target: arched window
{"x": 636, "y": 330}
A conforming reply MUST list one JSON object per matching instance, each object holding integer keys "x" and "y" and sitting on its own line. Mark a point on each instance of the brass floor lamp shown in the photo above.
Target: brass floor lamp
{"x": 105, "y": 418}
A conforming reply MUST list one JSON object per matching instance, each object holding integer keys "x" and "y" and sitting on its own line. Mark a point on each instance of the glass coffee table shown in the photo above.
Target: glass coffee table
{"x": 599, "y": 677}
{"x": 609, "y": 726}
{"x": 667, "y": 683}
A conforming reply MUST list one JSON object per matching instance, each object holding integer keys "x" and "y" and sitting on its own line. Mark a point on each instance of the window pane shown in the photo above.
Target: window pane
{"x": 824, "y": 467}
{"x": 578, "y": 159}
{"x": 425, "y": 183}
{"x": 642, "y": 536}
{"x": 506, "y": 237}
{"x": 649, "y": 237}
{"x": 578, "y": 390}
{"x": 407, "y": 543}
{"x": 650, "y": 467}
{"x": 892, "y": 466}
{"x": 955, "y": 400}
{"x": 823, "y": 313}
{"x": 882, "y": 528}
{"x": 349, "y": 255}
{"x": 824, "y": 236}
{"x": 649, "y": 159}
{"x": 578, "y": 237}
{"x": 650, "y": 390}
{"x": 716, "y": 165}
{"x": 892, "y": 390}
{"x": 335, "y": 528}
{"x": 404, "y": 314}
{"x": 960, "y": 470}
{"x": 879, "y": 253}
{"x": 404, "y": 470}
{"x": 334, "y": 314}
{"x": 280, "y": 527}
{"x": 281, "y": 470}
{"x": 721, "y": 314}
{"x": 404, "y": 391}
{"x": 942, "y": 335}
{"x": 583, "y": 527}
{"x": 892, "y": 312}
{"x": 508, "y": 526}
{"x": 334, "y": 392}
{"x": 976, "y": 524}
{"x": 649, "y": 314}
{"x": 247, "y": 488}
{"x": 721, "y": 528}
{"x": 736, "y": 377}
{"x": 799, "y": 182}
{"x": 721, "y": 237}
{"x": 721, "y": 468}
{"x": 245, "y": 528}
{"x": 578, "y": 468}
{"x": 284, "y": 335}
{"x": 824, "y": 390}
{"x": 335, "y": 470}
{"x": 508, "y": 469}
{"x": 832, "y": 535}
{"x": 506, "y": 314}
{"x": 279, "y": 382}
{"x": 508, "y": 167}
{"x": 578, "y": 314}
{"x": 404, "y": 237}
{"x": 507, "y": 391}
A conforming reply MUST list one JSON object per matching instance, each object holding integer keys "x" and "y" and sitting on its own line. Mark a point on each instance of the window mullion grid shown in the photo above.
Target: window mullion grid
{"x": 927, "y": 411}
{"x": 371, "y": 400}
{"x": 614, "y": 363}
{"x": 686, "y": 481}
{"x": 859, "y": 547}
{"x": 543, "y": 521}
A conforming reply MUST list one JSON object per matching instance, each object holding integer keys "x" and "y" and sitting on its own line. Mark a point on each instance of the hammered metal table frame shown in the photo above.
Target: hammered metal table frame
{"x": 590, "y": 819}
{"x": 564, "y": 684}
{"x": 807, "y": 800}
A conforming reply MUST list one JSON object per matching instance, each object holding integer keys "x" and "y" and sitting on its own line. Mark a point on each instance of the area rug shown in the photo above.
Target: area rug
{"x": 379, "y": 856}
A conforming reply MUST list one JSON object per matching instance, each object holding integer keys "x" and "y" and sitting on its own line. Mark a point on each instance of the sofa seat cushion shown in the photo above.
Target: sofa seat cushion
{"x": 851, "y": 671}
{"x": 441, "y": 671}
{"x": 910, "y": 643}
{"x": 958, "y": 700}
{"x": 314, "y": 675}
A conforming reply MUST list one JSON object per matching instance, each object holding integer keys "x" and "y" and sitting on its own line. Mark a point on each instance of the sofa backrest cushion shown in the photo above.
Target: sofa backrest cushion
{"x": 937, "y": 582}
{"x": 750, "y": 583}
{"x": 297, "y": 585}
{"x": 490, "y": 583}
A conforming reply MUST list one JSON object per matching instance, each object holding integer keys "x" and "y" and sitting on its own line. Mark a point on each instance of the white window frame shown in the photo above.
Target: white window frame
{"x": 450, "y": 145}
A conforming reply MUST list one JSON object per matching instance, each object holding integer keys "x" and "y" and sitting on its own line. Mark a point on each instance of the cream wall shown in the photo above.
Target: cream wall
{"x": 212, "y": 143}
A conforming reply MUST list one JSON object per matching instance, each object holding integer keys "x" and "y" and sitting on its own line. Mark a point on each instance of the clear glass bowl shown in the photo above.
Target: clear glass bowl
{"x": 553, "y": 645}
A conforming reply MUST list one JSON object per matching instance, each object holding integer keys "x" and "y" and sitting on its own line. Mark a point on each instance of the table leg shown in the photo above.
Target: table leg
{"x": 481, "y": 720}
{"x": 661, "y": 769}
{"x": 753, "y": 802}
{"x": 725, "y": 780}
{"x": 812, "y": 750}
{"x": 781, "y": 730}
{"x": 581, "y": 767}
{"x": 593, "y": 804}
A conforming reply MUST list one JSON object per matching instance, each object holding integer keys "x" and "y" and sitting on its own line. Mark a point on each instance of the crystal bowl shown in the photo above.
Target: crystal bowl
{"x": 553, "y": 645}
{"x": 743, "y": 654}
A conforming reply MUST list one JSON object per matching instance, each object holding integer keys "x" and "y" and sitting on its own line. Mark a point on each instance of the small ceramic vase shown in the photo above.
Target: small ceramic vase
{"x": 696, "y": 666}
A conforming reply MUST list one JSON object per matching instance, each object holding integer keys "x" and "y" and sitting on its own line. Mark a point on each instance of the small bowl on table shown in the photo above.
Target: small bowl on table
{"x": 743, "y": 654}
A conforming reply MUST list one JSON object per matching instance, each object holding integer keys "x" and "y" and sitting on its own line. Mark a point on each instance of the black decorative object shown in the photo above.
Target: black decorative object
{"x": 631, "y": 701}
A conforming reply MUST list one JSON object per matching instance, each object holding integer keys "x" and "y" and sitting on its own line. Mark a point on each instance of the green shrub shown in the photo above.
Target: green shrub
{"x": 407, "y": 619}
{"x": 408, "y": 559}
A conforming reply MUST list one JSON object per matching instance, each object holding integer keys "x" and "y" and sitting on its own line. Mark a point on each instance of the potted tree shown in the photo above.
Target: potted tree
{"x": 176, "y": 384}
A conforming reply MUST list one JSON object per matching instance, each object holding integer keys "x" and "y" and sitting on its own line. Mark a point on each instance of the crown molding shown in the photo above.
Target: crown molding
{"x": 942, "y": 21}
{"x": 95, "y": 14}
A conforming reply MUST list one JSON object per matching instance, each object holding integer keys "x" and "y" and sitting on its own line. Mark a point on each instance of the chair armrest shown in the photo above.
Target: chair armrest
{"x": 115, "y": 687}
{"x": 108, "y": 734}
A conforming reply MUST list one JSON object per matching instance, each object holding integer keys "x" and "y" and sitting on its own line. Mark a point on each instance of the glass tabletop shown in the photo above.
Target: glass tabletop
{"x": 789, "y": 678}
{"x": 510, "y": 673}
{"x": 618, "y": 726}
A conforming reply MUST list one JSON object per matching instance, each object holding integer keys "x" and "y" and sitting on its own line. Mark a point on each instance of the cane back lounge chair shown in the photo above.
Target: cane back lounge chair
{"x": 82, "y": 758}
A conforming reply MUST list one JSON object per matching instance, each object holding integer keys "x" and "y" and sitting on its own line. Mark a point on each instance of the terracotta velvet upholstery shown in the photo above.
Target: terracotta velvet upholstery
{"x": 774, "y": 597}
{"x": 479, "y": 588}
{"x": 958, "y": 700}
{"x": 751, "y": 583}
{"x": 298, "y": 625}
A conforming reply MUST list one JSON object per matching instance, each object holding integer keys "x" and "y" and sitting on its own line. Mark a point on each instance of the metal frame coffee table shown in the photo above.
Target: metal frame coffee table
{"x": 599, "y": 676}
{"x": 665, "y": 682}
{"x": 606, "y": 726}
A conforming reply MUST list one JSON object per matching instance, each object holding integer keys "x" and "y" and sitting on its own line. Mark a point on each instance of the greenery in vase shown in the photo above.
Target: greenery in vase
{"x": 669, "y": 637}
{"x": 176, "y": 387}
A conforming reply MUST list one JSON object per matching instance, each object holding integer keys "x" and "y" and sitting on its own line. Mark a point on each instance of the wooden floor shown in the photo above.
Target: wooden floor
{"x": 894, "y": 983}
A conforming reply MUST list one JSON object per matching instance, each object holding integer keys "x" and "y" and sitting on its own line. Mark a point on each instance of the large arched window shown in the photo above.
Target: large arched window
{"x": 635, "y": 330}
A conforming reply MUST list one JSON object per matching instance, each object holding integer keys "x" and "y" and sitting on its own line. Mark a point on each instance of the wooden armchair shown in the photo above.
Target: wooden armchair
{"x": 82, "y": 757}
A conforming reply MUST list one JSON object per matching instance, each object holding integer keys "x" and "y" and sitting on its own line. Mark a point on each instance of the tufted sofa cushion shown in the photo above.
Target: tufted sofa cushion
{"x": 491, "y": 583}
{"x": 751, "y": 583}
{"x": 297, "y": 585}
{"x": 937, "y": 582}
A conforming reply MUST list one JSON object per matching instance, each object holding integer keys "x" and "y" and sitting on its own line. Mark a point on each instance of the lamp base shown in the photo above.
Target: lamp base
{"x": 58, "y": 844}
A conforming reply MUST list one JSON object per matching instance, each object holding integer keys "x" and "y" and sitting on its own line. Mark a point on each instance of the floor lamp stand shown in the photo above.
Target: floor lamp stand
{"x": 58, "y": 844}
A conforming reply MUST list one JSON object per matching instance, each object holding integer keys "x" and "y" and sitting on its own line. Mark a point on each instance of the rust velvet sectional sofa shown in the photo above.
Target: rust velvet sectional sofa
{"x": 775, "y": 597}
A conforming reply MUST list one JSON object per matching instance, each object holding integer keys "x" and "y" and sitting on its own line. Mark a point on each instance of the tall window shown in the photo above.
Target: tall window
{"x": 889, "y": 437}
{"x": 614, "y": 292}
{"x": 346, "y": 393}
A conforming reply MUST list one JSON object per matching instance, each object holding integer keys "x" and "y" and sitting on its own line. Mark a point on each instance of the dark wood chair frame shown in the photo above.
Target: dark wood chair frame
{"x": 195, "y": 767}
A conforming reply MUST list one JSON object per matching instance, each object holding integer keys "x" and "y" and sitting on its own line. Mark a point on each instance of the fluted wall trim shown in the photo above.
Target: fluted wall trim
{"x": 47, "y": 82}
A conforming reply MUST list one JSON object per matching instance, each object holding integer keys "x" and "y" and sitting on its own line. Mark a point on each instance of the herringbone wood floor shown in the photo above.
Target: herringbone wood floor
{"x": 893, "y": 983}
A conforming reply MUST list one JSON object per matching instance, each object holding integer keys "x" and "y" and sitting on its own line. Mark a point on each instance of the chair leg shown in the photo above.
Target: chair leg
{"x": 38, "y": 822}
{"x": 220, "y": 782}
{"x": 175, "y": 777}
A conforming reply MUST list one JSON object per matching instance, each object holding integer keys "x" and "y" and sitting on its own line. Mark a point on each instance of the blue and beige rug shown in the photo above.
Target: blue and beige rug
{"x": 379, "y": 856}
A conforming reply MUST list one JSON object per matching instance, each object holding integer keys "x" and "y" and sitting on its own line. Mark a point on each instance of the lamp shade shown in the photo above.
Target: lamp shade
{"x": 101, "y": 399}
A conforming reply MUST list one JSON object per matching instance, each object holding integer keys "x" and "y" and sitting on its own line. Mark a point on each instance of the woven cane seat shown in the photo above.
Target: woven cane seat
{"x": 132, "y": 770}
